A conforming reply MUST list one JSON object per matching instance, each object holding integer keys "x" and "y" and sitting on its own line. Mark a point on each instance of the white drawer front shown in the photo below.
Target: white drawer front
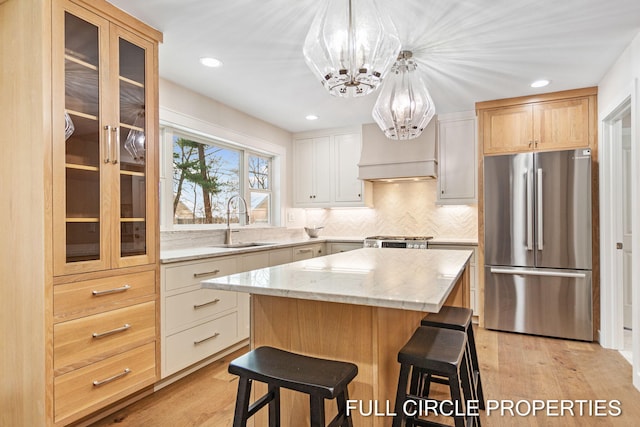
{"x": 191, "y": 346}
{"x": 189, "y": 307}
{"x": 183, "y": 275}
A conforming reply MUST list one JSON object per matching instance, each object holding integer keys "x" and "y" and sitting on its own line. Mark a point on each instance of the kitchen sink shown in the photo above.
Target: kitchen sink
{"x": 240, "y": 245}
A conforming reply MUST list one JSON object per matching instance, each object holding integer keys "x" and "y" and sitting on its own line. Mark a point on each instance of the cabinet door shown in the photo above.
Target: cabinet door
{"x": 133, "y": 205}
{"x": 322, "y": 168}
{"x": 560, "y": 125}
{"x": 303, "y": 161}
{"x": 347, "y": 156}
{"x": 104, "y": 156}
{"x": 81, "y": 164}
{"x": 507, "y": 130}
{"x": 457, "y": 162}
{"x": 312, "y": 166}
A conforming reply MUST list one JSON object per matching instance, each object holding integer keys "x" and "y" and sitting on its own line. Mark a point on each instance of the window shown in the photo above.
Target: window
{"x": 260, "y": 188}
{"x": 207, "y": 173}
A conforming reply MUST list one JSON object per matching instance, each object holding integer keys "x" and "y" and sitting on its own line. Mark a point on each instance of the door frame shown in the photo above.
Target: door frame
{"x": 611, "y": 296}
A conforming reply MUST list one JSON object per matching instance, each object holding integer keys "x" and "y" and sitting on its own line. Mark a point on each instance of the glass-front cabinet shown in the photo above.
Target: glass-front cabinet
{"x": 103, "y": 185}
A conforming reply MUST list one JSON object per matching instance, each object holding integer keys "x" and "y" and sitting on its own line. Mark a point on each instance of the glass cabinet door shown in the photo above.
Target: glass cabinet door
{"x": 80, "y": 170}
{"x": 103, "y": 177}
{"x": 135, "y": 204}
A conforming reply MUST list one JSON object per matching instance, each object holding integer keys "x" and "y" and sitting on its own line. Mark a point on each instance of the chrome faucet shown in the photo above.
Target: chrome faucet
{"x": 227, "y": 237}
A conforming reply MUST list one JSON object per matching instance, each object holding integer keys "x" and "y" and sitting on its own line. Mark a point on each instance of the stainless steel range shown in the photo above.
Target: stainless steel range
{"x": 406, "y": 242}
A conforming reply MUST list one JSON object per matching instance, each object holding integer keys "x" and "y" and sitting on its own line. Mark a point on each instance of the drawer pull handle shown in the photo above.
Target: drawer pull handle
{"x": 206, "y": 273}
{"x": 206, "y": 339}
{"x": 304, "y": 251}
{"x": 197, "y": 306}
{"x": 111, "y": 291}
{"x": 110, "y": 379}
{"x": 113, "y": 331}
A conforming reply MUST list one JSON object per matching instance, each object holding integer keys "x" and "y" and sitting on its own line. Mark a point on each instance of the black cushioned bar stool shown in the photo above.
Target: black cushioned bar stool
{"x": 319, "y": 378}
{"x": 433, "y": 351}
{"x": 459, "y": 319}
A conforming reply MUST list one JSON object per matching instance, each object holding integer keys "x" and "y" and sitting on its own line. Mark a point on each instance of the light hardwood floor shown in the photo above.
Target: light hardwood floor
{"x": 514, "y": 367}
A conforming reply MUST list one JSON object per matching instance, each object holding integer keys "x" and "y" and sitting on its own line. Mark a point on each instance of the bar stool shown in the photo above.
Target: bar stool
{"x": 459, "y": 319}
{"x": 319, "y": 378}
{"x": 434, "y": 351}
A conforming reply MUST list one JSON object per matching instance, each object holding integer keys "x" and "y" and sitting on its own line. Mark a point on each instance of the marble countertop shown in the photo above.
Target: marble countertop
{"x": 202, "y": 252}
{"x": 393, "y": 278}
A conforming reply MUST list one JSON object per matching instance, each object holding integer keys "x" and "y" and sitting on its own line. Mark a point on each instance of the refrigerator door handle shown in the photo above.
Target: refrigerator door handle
{"x": 540, "y": 210}
{"x": 538, "y": 273}
{"x": 529, "y": 183}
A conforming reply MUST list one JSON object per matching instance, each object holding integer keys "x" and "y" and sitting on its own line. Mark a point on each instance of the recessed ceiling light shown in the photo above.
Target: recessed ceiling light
{"x": 210, "y": 62}
{"x": 311, "y": 117}
{"x": 540, "y": 83}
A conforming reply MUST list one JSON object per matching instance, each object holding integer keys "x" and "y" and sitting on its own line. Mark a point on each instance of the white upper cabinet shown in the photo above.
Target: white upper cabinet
{"x": 457, "y": 158}
{"x": 312, "y": 159}
{"x": 325, "y": 167}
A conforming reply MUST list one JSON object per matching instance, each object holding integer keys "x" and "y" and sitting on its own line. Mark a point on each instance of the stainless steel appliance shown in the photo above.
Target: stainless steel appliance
{"x": 408, "y": 242}
{"x": 537, "y": 245}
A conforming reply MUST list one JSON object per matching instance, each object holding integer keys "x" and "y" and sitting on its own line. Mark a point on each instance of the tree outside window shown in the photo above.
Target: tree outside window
{"x": 206, "y": 173}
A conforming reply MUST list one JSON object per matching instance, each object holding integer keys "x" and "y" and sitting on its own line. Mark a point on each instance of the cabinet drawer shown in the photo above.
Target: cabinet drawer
{"x": 75, "y": 394}
{"x": 116, "y": 331}
{"x": 183, "y": 275}
{"x": 184, "y": 309}
{"x": 79, "y": 299}
{"x": 190, "y": 346}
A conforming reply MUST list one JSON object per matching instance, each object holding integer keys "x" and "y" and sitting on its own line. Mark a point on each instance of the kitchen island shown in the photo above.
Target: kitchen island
{"x": 359, "y": 306}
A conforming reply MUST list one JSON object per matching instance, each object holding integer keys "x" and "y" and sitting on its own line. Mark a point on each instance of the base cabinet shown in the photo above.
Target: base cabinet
{"x": 197, "y": 323}
{"x": 337, "y": 247}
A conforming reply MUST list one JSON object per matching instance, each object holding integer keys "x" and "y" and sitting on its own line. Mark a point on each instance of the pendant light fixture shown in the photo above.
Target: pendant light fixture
{"x": 351, "y": 46}
{"x": 404, "y": 107}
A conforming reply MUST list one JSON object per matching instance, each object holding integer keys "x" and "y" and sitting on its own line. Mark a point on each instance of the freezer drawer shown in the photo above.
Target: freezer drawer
{"x": 549, "y": 302}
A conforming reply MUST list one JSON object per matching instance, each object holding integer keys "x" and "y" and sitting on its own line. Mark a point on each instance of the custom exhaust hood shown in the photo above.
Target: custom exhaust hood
{"x": 385, "y": 159}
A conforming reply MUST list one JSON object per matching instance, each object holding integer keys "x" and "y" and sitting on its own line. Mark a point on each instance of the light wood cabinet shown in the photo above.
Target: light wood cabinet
{"x": 104, "y": 160}
{"x": 457, "y": 158}
{"x": 552, "y": 121}
{"x": 538, "y": 124}
{"x": 84, "y": 284}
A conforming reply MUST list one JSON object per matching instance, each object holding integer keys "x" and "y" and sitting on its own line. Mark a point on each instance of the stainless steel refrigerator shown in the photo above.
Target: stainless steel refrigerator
{"x": 537, "y": 217}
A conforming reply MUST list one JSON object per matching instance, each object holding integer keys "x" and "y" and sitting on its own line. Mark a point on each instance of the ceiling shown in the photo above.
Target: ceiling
{"x": 467, "y": 50}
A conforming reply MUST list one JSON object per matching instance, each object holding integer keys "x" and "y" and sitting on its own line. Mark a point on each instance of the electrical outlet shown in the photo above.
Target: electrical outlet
{"x": 291, "y": 217}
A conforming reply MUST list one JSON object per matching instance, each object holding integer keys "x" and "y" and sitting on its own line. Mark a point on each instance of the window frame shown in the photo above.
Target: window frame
{"x": 167, "y": 133}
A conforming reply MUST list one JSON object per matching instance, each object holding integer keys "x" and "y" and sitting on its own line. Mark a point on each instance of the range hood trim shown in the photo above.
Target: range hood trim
{"x": 399, "y": 170}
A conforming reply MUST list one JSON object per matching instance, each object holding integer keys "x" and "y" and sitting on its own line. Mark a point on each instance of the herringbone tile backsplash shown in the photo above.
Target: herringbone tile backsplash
{"x": 406, "y": 208}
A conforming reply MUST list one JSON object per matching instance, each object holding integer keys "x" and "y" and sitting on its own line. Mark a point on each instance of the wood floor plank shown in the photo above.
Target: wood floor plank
{"x": 514, "y": 367}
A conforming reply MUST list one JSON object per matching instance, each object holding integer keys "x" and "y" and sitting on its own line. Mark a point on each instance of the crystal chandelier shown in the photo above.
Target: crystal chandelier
{"x": 351, "y": 46}
{"x": 404, "y": 107}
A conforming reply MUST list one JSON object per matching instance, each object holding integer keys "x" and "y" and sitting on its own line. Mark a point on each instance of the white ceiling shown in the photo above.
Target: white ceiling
{"x": 467, "y": 50}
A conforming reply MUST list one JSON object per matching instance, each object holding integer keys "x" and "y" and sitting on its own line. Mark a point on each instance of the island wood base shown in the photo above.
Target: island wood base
{"x": 368, "y": 336}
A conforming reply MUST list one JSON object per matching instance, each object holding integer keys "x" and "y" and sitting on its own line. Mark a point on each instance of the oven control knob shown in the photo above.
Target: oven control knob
{"x": 423, "y": 246}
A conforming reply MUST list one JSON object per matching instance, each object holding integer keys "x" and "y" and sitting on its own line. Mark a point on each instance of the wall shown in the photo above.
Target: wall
{"x": 400, "y": 208}
{"x": 621, "y": 81}
{"x": 184, "y": 108}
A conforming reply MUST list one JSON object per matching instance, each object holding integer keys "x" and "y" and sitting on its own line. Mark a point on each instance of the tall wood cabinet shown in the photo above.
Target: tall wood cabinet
{"x": 96, "y": 115}
{"x": 547, "y": 122}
